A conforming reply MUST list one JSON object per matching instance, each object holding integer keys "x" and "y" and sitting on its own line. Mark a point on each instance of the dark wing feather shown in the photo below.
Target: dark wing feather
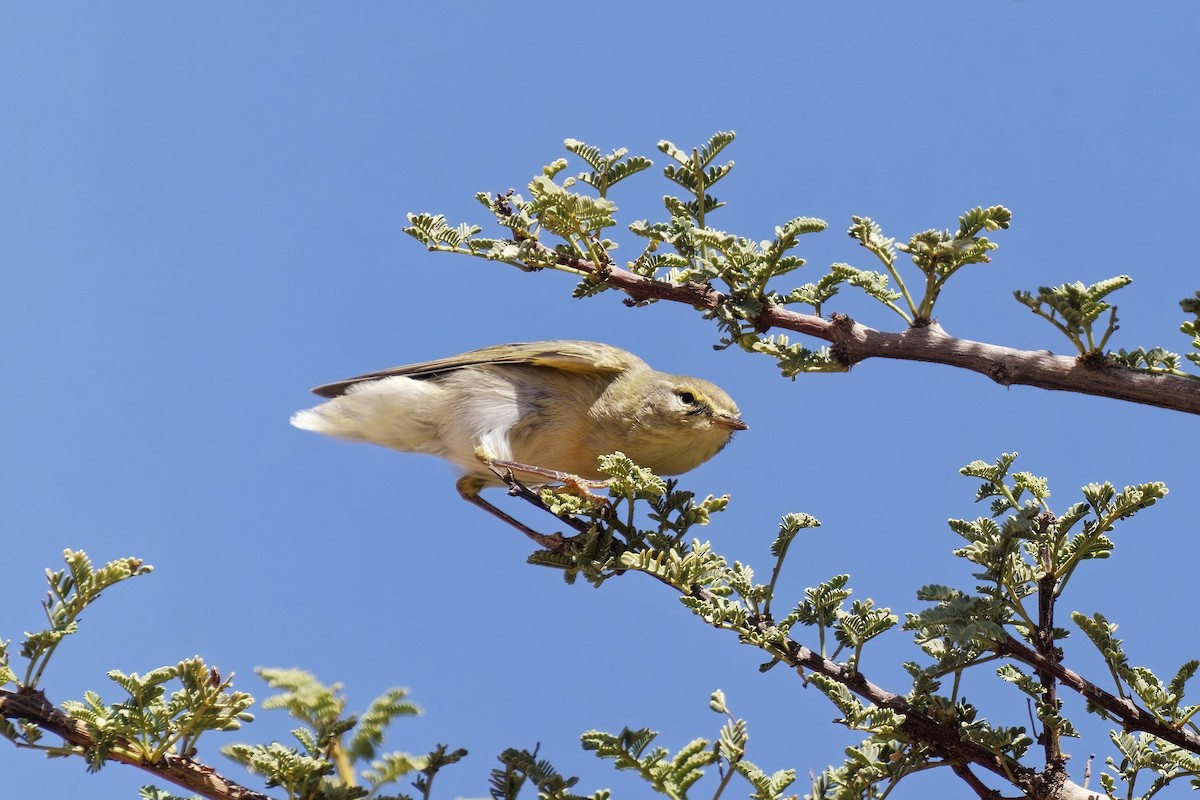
{"x": 565, "y": 354}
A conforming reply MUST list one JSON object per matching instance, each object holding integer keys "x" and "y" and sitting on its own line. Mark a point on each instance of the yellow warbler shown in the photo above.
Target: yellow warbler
{"x": 544, "y": 410}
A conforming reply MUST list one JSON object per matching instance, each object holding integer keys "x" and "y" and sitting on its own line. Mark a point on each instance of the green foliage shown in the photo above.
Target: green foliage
{"x": 789, "y": 527}
{"x": 440, "y": 757}
{"x": 862, "y": 623}
{"x": 857, "y": 715}
{"x": 150, "y": 724}
{"x": 154, "y": 793}
{"x": 300, "y": 775}
{"x": 1191, "y": 305}
{"x": 937, "y": 254}
{"x": 1160, "y": 360}
{"x": 612, "y": 530}
{"x": 130, "y": 731}
{"x": 607, "y": 170}
{"x": 875, "y": 284}
{"x": 1073, "y": 309}
{"x": 1032, "y": 550}
{"x": 1153, "y": 360}
{"x": 821, "y": 607}
{"x": 1033, "y": 553}
{"x": 562, "y": 228}
{"x": 795, "y": 359}
{"x": 1145, "y": 753}
{"x": 1165, "y": 701}
{"x": 871, "y": 770}
{"x": 519, "y": 766}
{"x": 326, "y": 766}
{"x": 71, "y": 591}
{"x": 569, "y": 215}
{"x": 368, "y": 736}
{"x": 674, "y": 776}
{"x": 667, "y": 775}
{"x": 890, "y": 753}
{"x": 435, "y": 233}
{"x": 7, "y": 676}
{"x": 1022, "y": 552}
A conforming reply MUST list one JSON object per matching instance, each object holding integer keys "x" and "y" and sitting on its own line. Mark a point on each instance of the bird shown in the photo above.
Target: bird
{"x": 536, "y": 412}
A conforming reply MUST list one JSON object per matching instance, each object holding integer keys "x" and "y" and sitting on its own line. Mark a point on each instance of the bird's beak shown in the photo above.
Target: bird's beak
{"x": 733, "y": 423}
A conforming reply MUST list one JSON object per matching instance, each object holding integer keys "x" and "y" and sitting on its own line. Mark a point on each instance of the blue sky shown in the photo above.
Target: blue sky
{"x": 200, "y": 218}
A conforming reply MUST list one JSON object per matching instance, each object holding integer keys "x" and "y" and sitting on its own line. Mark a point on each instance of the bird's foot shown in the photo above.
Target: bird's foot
{"x": 571, "y": 482}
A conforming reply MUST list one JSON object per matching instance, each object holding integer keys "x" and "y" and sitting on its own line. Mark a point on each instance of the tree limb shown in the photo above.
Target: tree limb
{"x": 852, "y": 342}
{"x": 32, "y": 705}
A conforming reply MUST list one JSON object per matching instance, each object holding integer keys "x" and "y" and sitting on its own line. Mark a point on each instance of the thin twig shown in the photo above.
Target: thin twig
{"x": 972, "y": 780}
{"x": 1132, "y": 718}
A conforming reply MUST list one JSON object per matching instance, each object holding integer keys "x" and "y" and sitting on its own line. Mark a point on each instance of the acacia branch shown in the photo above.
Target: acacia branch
{"x": 32, "y": 706}
{"x": 851, "y": 342}
{"x": 943, "y": 737}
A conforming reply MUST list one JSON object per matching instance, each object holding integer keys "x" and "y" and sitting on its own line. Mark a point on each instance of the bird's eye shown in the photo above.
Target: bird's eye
{"x": 687, "y": 398}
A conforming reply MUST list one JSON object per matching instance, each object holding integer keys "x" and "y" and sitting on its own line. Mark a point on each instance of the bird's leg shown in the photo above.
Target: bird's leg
{"x": 469, "y": 487}
{"x": 572, "y": 483}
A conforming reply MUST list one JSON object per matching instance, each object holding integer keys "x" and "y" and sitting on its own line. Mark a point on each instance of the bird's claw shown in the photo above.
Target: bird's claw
{"x": 572, "y": 483}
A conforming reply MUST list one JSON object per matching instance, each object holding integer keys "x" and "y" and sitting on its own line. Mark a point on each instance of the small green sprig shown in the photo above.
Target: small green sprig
{"x": 1191, "y": 305}
{"x": 937, "y": 254}
{"x": 1162, "y": 361}
{"x": 1145, "y": 753}
{"x": 150, "y": 723}
{"x": 1164, "y": 700}
{"x": 7, "y": 676}
{"x": 71, "y": 591}
{"x": 574, "y": 219}
{"x": 673, "y": 776}
{"x": 338, "y": 757}
{"x": 668, "y": 775}
{"x": 607, "y": 170}
{"x": 1156, "y": 359}
{"x": 794, "y": 358}
{"x": 521, "y": 766}
{"x": 1073, "y": 309}
{"x": 1032, "y": 550}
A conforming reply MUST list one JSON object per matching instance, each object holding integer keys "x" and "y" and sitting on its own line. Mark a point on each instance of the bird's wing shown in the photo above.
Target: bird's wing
{"x": 572, "y": 356}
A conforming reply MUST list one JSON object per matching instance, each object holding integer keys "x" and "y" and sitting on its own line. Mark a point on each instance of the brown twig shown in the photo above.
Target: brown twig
{"x": 1044, "y": 636}
{"x": 191, "y": 775}
{"x": 976, "y": 785}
